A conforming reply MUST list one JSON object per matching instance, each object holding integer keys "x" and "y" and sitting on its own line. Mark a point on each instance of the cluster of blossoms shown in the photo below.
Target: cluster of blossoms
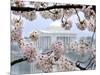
{"x": 68, "y": 12}
{"x": 90, "y": 19}
{"x": 16, "y": 29}
{"x": 55, "y": 61}
{"x": 53, "y": 14}
{"x": 88, "y": 11}
{"x": 16, "y": 36}
{"x": 30, "y": 15}
{"x": 74, "y": 45}
{"x": 45, "y": 14}
{"x": 89, "y": 22}
{"x": 64, "y": 65}
{"x": 56, "y": 14}
{"x": 82, "y": 47}
{"x": 58, "y": 49}
{"x": 38, "y": 5}
{"x": 82, "y": 25}
{"x": 34, "y": 36}
{"x": 29, "y": 52}
{"x": 92, "y": 24}
{"x": 18, "y": 3}
{"x": 67, "y": 24}
{"x": 44, "y": 63}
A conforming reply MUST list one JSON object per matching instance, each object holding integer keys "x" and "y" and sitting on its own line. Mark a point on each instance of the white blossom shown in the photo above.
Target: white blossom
{"x": 92, "y": 24}
{"x": 88, "y": 11}
{"x": 58, "y": 49}
{"x": 38, "y": 5}
{"x": 19, "y": 3}
{"x": 45, "y": 14}
{"x": 56, "y": 14}
{"x": 16, "y": 29}
{"x": 67, "y": 24}
{"x": 82, "y": 25}
{"x": 64, "y": 65}
{"x": 29, "y": 52}
{"x": 68, "y": 12}
{"x": 34, "y": 36}
{"x": 31, "y": 15}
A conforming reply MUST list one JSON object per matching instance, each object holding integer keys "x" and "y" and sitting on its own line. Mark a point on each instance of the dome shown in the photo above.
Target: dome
{"x": 56, "y": 25}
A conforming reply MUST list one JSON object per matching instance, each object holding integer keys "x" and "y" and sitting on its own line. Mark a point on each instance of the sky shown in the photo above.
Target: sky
{"x": 42, "y": 24}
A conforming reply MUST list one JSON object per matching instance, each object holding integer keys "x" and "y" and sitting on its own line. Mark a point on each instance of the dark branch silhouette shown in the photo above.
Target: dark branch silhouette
{"x": 18, "y": 61}
{"x": 78, "y": 64}
{"x": 14, "y": 8}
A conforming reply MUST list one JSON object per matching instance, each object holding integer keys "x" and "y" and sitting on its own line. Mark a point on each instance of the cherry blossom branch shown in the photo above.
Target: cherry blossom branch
{"x": 14, "y": 8}
{"x": 93, "y": 37}
{"x": 62, "y": 18}
{"x": 18, "y": 61}
{"x": 78, "y": 15}
{"x": 87, "y": 67}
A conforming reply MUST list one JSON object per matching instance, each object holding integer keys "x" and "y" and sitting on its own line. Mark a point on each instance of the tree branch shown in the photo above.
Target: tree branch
{"x": 93, "y": 37}
{"x": 18, "y": 61}
{"x": 87, "y": 67}
{"x": 14, "y": 8}
{"x": 78, "y": 15}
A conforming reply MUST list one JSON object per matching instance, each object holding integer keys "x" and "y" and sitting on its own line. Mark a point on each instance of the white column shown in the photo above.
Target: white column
{"x": 53, "y": 39}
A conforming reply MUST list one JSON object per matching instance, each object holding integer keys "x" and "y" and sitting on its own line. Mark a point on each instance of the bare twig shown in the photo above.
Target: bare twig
{"x": 78, "y": 15}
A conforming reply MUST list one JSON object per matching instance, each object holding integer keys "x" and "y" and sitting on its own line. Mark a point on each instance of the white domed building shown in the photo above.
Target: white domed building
{"x": 54, "y": 32}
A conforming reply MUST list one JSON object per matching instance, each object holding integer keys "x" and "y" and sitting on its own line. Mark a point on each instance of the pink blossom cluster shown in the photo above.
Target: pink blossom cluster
{"x": 19, "y": 3}
{"x": 67, "y": 24}
{"x": 29, "y": 52}
{"x": 16, "y": 30}
{"x": 34, "y": 36}
{"x": 64, "y": 65}
{"x": 58, "y": 48}
{"x": 45, "y": 63}
{"x": 92, "y": 24}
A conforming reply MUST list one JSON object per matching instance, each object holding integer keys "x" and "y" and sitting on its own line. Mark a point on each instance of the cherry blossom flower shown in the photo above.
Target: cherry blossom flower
{"x": 58, "y": 49}
{"x": 68, "y": 12}
{"x": 56, "y": 14}
{"x": 44, "y": 63}
{"x": 88, "y": 11}
{"x": 64, "y": 65}
{"x": 67, "y": 24}
{"x": 38, "y": 5}
{"x": 16, "y": 30}
{"x": 31, "y": 15}
{"x": 92, "y": 24}
{"x": 19, "y": 3}
{"x": 82, "y": 25}
{"x": 45, "y": 14}
{"x": 29, "y": 52}
{"x": 83, "y": 47}
{"x": 15, "y": 35}
{"x": 21, "y": 42}
{"x": 34, "y": 36}
{"x": 74, "y": 45}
